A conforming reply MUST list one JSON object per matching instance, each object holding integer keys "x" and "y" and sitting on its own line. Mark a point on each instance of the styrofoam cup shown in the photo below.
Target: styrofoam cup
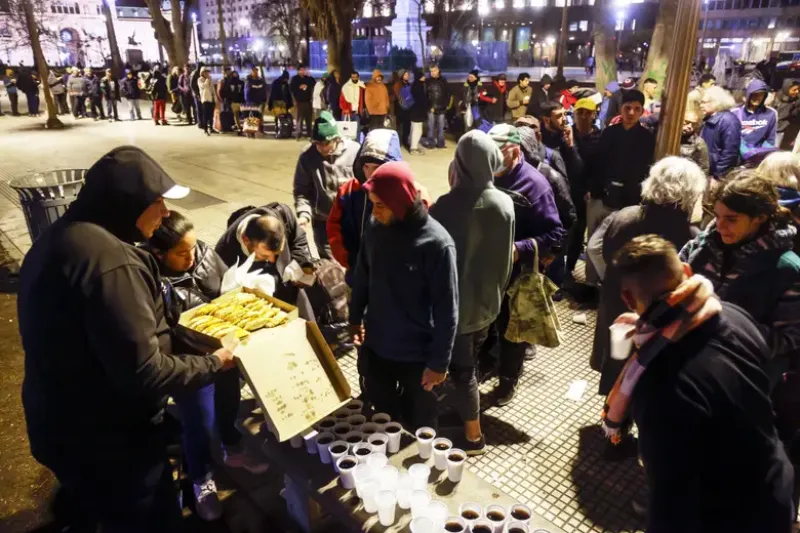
{"x": 520, "y": 511}
{"x": 381, "y": 419}
{"x": 326, "y": 425}
{"x": 354, "y": 407}
{"x": 356, "y": 421}
{"x": 346, "y": 473}
{"x": 360, "y": 454}
{"x": 388, "y": 476}
{"x": 353, "y": 438}
{"x": 419, "y": 474}
{"x": 482, "y": 522}
{"x": 323, "y": 442}
{"x": 621, "y": 342}
{"x": 361, "y": 474}
{"x": 387, "y": 505}
{"x": 310, "y": 439}
{"x": 369, "y": 428}
{"x": 376, "y": 461}
{"x": 379, "y": 442}
{"x": 438, "y": 512}
{"x": 341, "y": 429}
{"x": 455, "y": 464}
{"x": 405, "y": 485}
{"x": 516, "y": 526}
{"x": 420, "y": 499}
{"x": 422, "y": 524}
{"x": 424, "y": 443}
{"x": 440, "y": 456}
{"x": 368, "y": 493}
{"x": 335, "y": 455}
{"x": 393, "y": 445}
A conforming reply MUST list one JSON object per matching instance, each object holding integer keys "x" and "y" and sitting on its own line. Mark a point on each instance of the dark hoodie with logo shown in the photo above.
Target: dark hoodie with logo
{"x": 98, "y": 354}
{"x": 759, "y": 127}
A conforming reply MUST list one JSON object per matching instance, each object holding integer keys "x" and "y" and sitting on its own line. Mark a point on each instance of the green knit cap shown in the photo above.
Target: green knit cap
{"x": 325, "y": 128}
{"x": 504, "y": 134}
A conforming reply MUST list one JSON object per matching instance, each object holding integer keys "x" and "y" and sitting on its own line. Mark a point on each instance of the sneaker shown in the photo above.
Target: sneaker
{"x": 504, "y": 392}
{"x": 207, "y": 505}
{"x": 417, "y": 152}
{"x": 530, "y": 352}
{"x": 475, "y": 448}
{"x": 243, "y": 460}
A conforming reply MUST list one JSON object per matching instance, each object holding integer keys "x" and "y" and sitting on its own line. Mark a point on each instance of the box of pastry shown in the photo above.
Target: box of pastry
{"x": 294, "y": 375}
{"x": 240, "y": 312}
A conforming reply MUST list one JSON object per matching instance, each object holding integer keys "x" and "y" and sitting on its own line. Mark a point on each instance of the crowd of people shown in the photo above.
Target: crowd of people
{"x": 695, "y": 254}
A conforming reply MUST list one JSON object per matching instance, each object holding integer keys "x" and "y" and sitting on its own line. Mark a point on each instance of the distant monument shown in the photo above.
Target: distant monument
{"x": 406, "y": 27}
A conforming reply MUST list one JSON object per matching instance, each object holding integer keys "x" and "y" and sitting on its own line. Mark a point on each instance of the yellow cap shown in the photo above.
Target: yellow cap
{"x": 586, "y": 103}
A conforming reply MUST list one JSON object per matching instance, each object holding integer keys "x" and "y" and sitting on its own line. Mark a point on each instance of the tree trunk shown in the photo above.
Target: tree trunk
{"x": 605, "y": 46}
{"x": 660, "y": 44}
{"x": 162, "y": 30}
{"x": 41, "y": 65}
{"x": 222, "y": 42}
{"x": 113, "y": 45}
{"x": 562, "y": 41}
{"x": 178, "y": 35}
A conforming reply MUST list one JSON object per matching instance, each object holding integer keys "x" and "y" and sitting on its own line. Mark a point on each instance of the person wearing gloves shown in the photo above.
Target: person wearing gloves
{"x": 480, "y": 219}
{"x": 323, "y": 167}
{"x": 536, "y": 224}
{"x": 404, "y": 305}
{"x": 59, "y": 92}
{"x": 438, "y": 94}
{"x": 99, "y": 357}
{"x": 191, "y": 274}
{"x": 520, "y": 96}
{"x": 376, "y": 100}
{"x": 759, "y": 123}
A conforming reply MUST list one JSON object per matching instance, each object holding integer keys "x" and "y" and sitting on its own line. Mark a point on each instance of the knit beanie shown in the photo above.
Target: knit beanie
{"x": 325, "y": 128}
{"x": 504, "y": 135}
{"x": 476, "y": 73}
{"x": 546, "y": 79}
{"x": 393, "y": 183}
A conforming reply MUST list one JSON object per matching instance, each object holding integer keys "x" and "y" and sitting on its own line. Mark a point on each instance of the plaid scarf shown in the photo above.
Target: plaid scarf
{"x": 665, "y": 322}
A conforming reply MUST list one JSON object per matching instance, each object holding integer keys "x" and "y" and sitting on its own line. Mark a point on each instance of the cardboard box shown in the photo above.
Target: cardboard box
{"x": 206, "y": 343}
{"x": 294, "y": 376}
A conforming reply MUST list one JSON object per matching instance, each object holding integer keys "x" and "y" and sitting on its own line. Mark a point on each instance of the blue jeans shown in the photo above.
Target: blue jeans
{"x": 436, "y": 129}
{"x": 203, "y": 410}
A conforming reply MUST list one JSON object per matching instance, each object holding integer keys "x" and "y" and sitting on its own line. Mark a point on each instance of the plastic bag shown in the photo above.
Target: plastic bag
{"x": 294, "y": 272}
{"x": 240, "y": 276}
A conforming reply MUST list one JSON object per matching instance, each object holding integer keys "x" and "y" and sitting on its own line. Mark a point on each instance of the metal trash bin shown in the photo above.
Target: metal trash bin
{"x": 45, "y": 196}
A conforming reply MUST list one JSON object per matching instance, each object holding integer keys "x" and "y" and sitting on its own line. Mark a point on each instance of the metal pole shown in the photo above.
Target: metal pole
{"x": 562, "y": 41}
{"x": 196, "y": 54}
{"x": 308, "y": 41}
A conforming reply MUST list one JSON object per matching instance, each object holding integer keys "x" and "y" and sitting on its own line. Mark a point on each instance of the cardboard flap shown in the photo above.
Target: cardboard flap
{"x": 294, "y": 375}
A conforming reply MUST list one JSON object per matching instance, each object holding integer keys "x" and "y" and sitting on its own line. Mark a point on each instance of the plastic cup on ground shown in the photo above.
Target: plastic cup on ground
{"x": 337, "y": 449}
{"x": 441, "y": 447}
{"x": 470, "y": 511}
{"x": 496, "y": 514}
{"x": 342, "y": 414}
{"x": 621, "y": 342}
{"x": 387, "y": 505}
{"x": 326, "y": 425}
{"x": 323, "y": 442}
{"x": 296, "y": 441}
{"x": 376, "y": 462}
{"x": 455, "y": 464}
{"x": 425, "y": 436}
{"x": 381, "y": 419}
{"x": 520, "y": 513}
{"x": 405, "y": 485}
{"x": 394, "y": 431}
{"x": 361, "y": 474}
{"x": 310, "y": 439}
{"x": 341, "y": 429}
{"x": 356, "y": 421}
{"x": 368, "y": 493}
{"x": 455, "y": 524}
{"x": 516, "y": 526}
{"x": 388, "y": 476}
{"x": 353, "y": 438}
{"x": 438, "y": 512}
{"x": 420, "y": 500}
{"x": 423, "y": 524}
{"x": 419, "y": 474}
{"x": 354, "y": 407}
{"x": 379, "y": 442}
{"x": 369, "y": 428}
{"x": 362, "y": 450}
{"x": 482, "y": 525}
{"x": 345, "y": 465}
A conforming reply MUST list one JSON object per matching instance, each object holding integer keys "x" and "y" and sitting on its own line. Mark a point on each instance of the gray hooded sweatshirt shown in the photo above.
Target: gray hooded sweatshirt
{"x": 480, "y": 219}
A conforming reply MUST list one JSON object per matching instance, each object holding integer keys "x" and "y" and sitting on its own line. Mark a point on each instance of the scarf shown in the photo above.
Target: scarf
{"x": 664, "y": 323}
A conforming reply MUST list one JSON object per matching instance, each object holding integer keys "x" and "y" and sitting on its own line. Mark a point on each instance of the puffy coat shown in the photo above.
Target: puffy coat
{"x": 438, "y": 94}
{"x": 788, "y": 109}
{"x": 351, "y": 98}
{"x": 280, "y": 92}
{"x": 419, "y": 111}
{"x": 91, "y": 86}
{"x": 317, "y": 178}
{"x": 130, "y": 88}
{"x": 376, "y": 96}
{"x": 722, "y": 133}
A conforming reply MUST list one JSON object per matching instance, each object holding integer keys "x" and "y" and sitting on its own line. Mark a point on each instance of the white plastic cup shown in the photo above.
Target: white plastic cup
{"x": 310, "y": 439}
{"x": 376, "y": 462}
{"x": 326, "y": 425}
{"x": 354, "y": 407}
{"x": 405, "y": 485}
{"x": 353, "y": 438}
{"x": 452, "y": 521}
{"x": 379, "y": 442}
{"x": 368, "y": 493}
{"x": 341, "y": 429}
{"x": 337, "y": 454}
{"x": 470, "y": 512}
{"x": 394, "y": 431}
{"x": 369, "y": 428}
{"x": 422, "y": 524}
{"x": 345, "y": 468}
{"x": 361, "y": 474}
{"x": 497, "y": 523}
{"x": 438, "y": 512}
{"x": 518, "y": 512}
{"x": 517, "y": 526}
{"x": 323, "y": 442}
{"x": 388, "y": 476}
{"x": 296, "y": 441}
{"x": 455, "y": 464}
{"x": 381, "y": 419}
{"x": 362, "y": 451}
{"x": 425, "y": 436}
{"x": 356, "y": 421}
{"x": 387, "y": 505}
{"x": 419, "y": 474}
{"x": 420, "y": 499}
{"x": 621, "y": 343}
{"x": 482, "y": 522}
{"x": 440, "y": 456}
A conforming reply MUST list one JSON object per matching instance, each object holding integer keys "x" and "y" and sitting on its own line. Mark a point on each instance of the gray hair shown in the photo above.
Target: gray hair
{"x": 782, "y": 169}
{"x": 674, "y": 181}
{"x": 720, "y": 99}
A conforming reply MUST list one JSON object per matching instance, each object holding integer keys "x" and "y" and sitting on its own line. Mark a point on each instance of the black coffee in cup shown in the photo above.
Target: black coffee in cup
{"x": 495, "y": 516}
{"x": 325, "y": 440}
{"x": 456, "y": 457}
{"x": 516, "y": 530}
{"x": 327, "y": 423}
{"x": 338, "y": 449}
{"x": 378, "y": 442}
{"x": 453, "y": 527}
{"x": 425, "y": 435}
{"x": 363, "y": 451}
{"x": 368, "y": 431}
{"x": 520, "y": 514}
{"x": 469, "y": 514}
{"x": 342, "y": 431}
{"x": 442, "y": 446}
{"x": 354, "y": 439}
{"x": 392, "y": 429}
{"x": 481, "y": 529}
{"x": 346, "y": 464}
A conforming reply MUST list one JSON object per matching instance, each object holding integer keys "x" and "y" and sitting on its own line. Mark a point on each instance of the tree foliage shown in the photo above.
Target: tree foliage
{"x": 282, "y": 19}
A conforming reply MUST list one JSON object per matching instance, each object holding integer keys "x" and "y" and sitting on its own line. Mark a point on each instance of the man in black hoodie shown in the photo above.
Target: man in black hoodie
{"x": 99, "y": 360}
{"x": 302, "y": 86}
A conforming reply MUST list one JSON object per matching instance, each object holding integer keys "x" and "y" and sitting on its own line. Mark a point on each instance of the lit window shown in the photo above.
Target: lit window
{"x": 584, "y": 25}
{"x": 772, "y": 22}
{"x": 573, "y": 26}
{"x": 538, "y": 3}
{"x": 500, "y": 4}
{"x": 386, "y": 11}
{"x": 519, "y": 4}
{"x": 367, "y": 12}
{"x": 620, "y": 25}
{"x": 559, "y": 3}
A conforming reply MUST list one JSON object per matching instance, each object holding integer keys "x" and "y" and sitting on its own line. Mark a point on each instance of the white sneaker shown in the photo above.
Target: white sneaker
{"x": 207, "y": 505}
{"x": 243, "y": 460}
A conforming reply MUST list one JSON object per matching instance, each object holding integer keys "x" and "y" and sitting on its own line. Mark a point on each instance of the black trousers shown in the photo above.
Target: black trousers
{"x": 207, "y": 115}
{"x": 304, "y": 114}
{"x": 507, "y": 356}
{"x": 188, "y": 106}
{"x": 14, "y": 99}
{"x": 463, "y": 363}
{"x": 376, "y": 122}
{"x": 97, "y": 107}
{"x": 395, "y": 388}
{"x": 61, "y": 101}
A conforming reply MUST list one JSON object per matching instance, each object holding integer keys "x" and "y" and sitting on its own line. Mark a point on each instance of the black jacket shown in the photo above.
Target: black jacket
{"x": 538, "y": 97}
{"x": 111, "y": 92}
{"x": 302, "y": 95}
{"x": 788, "y": 110}
{"x": 98, "y": 354}
{"x": 332, "y": 93}
{"x": 626, "y": 158}
{"x": 494, "y": 112}
{"x": 570, "y": 154}
{"x": 280, "y": 92}
{"x": 193, "y": 83}
{"x": 91, "y": 86}
{"x": 438, "y": 94}
{"x": 419, "y": 111}
{"x": 233, "y": 90}
{"x": 130, "y": 88}
{"x": 587, "y": 148}
{"x": 707, "y": 435}
{"x": 158, "y": 86}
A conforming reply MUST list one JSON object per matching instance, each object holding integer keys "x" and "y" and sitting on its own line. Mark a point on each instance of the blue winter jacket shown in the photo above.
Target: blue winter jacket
{"x": 722, "y": 133}
{"x": 255, "y": 90}
{"x": 759, "y": 127}
{"x": 602, "y": 116}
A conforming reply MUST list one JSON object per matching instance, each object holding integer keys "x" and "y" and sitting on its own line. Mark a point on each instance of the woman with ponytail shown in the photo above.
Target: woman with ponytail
{"x": 747, "y": 254}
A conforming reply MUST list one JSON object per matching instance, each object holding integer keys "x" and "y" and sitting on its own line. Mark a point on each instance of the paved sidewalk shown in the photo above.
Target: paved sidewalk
{"x": 543, "y": 449}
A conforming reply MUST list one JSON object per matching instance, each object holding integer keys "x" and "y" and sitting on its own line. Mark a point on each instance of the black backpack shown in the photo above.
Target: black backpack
{"x": 328, "y": 296}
